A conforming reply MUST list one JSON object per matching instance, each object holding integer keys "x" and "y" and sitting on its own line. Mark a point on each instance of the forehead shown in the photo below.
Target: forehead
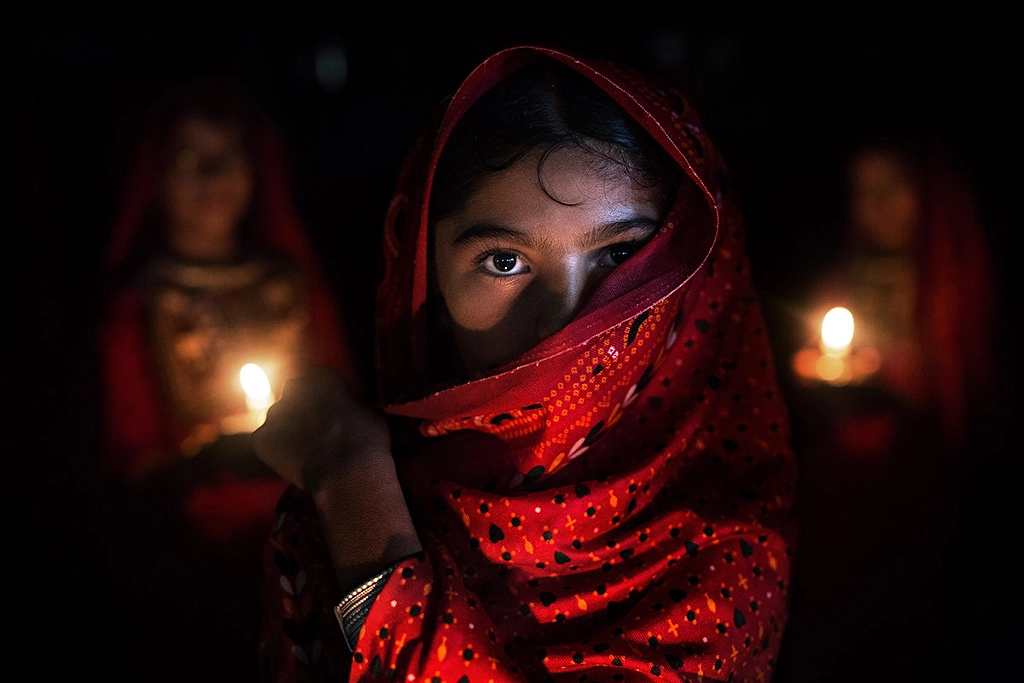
{"x": 878, "y": 167}
{"x": 569, "y": 182}
{"x": 203, "y": 133}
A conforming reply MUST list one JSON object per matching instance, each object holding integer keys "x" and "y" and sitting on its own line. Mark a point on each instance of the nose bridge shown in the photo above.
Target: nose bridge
{"x": 214, "y": 165}
{"x": 563, "y": 291}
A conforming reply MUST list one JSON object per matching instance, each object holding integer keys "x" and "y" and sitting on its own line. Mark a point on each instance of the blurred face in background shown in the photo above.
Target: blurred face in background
{"x": 207, "y": 188}
{"x": 884, "y": 205}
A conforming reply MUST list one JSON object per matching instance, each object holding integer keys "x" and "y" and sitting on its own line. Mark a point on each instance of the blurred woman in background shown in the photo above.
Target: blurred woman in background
{"x": 208, "y": 270}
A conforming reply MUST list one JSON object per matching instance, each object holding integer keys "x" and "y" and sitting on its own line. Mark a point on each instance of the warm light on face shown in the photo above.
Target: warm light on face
{"x": 837, "y": 330}
{"x": 254, "y": 381}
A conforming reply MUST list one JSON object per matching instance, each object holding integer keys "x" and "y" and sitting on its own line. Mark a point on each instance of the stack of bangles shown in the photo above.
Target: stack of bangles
{"x": 352, "y": 610}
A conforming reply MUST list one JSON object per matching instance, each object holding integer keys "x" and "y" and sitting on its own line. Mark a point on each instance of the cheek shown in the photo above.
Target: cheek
{"x": 242, "y": 186}
{"x": 476, "y": 306}
{"x": 905, "y": 204}
{"x": 491, "y": 327}
{"x": 179, "y": 197}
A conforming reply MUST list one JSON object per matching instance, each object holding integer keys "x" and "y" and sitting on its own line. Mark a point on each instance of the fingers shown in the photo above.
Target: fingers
{"x": 319, "y": 380}
{"x": 298, "y": 426}
{"x": 273, "y": 440}
{"x": 282, "y": 443}
{"x": 318, "y": 423}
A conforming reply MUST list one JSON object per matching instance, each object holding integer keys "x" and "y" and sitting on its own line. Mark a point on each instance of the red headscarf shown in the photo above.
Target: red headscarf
{"x": 956, "y": 306}
{"x": 617, "y": 501}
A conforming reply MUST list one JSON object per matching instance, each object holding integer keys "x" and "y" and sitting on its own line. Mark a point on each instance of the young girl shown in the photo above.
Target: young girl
{"x": 580, "y": 469}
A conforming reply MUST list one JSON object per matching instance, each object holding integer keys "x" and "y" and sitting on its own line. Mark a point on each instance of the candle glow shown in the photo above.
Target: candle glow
{"x": 258, "y": 395}
{"x": 836, "y": 361}
{"x": 837, "y": 331}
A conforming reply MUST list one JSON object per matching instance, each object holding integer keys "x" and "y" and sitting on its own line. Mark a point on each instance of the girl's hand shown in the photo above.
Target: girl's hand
{"x": 319, "y": 427}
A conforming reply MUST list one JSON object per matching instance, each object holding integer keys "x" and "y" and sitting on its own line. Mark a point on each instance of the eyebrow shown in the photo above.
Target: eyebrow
{"x": 606, "y": 232}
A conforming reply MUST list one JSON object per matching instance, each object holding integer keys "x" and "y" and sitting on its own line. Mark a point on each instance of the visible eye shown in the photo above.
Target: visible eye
{"x": 502, "y": 263}
{"x": 616, "y": 254}
{"x": 192, "y": 162}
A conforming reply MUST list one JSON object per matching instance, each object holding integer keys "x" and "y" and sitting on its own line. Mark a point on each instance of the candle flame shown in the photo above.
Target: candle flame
{"x": 256, "y": 386}
{"x": 837, "y": 330}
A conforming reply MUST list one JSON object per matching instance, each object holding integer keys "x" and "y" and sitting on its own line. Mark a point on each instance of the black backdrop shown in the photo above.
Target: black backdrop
{"x": 781, "y": 92}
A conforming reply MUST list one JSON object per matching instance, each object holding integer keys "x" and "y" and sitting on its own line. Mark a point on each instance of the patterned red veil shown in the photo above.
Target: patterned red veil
{"x": 616, "y": 504}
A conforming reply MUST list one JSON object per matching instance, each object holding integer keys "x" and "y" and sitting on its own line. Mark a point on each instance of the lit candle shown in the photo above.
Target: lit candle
{"x": 835, "y": 360}
{"x": 836, "y": 340}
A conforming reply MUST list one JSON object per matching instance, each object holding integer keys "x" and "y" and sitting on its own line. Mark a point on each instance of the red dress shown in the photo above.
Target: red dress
{"x": 616, "y": 504}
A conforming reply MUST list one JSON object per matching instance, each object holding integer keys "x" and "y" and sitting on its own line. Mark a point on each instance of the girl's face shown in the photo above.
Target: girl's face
{"x": 514, "y": 266}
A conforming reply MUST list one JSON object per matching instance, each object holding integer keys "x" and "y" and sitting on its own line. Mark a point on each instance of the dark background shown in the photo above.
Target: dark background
{"x": 782, "y": 92}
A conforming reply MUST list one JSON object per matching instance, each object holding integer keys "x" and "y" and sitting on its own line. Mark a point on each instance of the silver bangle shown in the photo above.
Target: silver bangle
{"x": 352, "y": 610}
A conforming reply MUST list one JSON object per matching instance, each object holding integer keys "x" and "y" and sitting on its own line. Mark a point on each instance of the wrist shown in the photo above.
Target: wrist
{"x": 349, "y": 468}
{"x": 366, "y": 522}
